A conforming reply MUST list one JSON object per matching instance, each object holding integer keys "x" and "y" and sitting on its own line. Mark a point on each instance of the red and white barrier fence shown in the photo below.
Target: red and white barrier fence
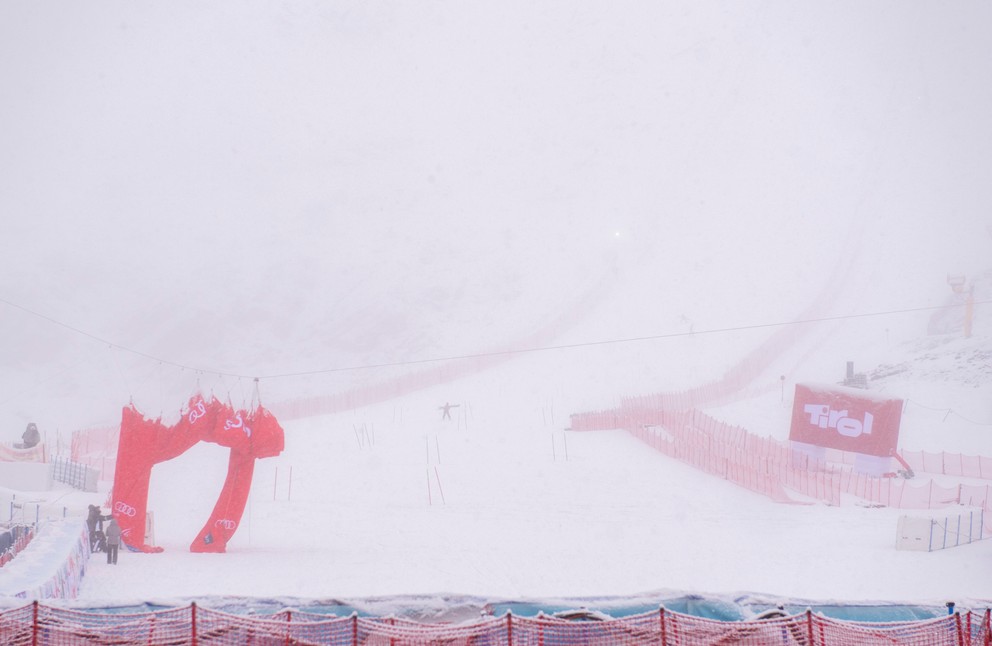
{"x": 772, "y": 468}
{"x": 41, "y": 625}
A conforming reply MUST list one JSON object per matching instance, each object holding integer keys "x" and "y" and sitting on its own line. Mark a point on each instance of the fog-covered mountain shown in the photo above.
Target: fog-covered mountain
{"x": 262, "y": 190}
{"x": 616, "y": 199}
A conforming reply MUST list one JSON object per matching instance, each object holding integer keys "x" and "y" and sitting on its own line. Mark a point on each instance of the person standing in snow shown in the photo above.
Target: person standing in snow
{"x": 94, "y": 523}
{"x": 446, "y": 410}
{"x": 30, "y": 438}
{"x": 113, "y": 541}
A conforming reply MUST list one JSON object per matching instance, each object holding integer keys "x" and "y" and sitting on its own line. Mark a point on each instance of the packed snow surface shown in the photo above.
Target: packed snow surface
{"x": 604, "y": 199}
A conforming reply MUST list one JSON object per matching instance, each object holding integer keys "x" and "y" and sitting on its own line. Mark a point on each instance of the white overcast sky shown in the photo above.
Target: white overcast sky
{"x": 192, "y": 180}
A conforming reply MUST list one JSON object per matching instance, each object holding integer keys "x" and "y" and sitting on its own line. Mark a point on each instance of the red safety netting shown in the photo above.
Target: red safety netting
{"x": 96, "y": 448}
{"x": 773, "y": 468}
{"x": 443, "y": 372}
{"x": 952, "y": 464}
{"x": 39, "y": 625}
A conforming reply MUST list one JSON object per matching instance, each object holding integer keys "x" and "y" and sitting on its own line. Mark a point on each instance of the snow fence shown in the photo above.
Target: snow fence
{"x": 42, "y": 625}
{"x": 775, "y": 468}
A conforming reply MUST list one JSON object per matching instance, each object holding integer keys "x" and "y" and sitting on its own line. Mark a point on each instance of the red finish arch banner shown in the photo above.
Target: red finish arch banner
{"x": 849, "y": 419}
{"x": 144, "y": 443}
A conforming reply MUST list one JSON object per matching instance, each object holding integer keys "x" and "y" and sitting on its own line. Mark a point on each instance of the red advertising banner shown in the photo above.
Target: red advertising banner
{"x": 849, "y": 419}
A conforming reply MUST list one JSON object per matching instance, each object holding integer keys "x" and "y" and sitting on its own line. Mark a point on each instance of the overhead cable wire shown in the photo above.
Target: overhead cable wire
{"x": 568, "y": 346}
{"x": 104, "y": 341}
{"x": 496, "y": 353}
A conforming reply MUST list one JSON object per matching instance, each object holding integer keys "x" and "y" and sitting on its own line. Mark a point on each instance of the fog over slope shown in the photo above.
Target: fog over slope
{"x": 328, "y": 195}
{"x": 273, "y": 188}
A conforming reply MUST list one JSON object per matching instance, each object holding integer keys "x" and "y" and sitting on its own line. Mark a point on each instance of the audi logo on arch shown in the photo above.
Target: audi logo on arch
{"x": 198, "y": 412}
{"x": 125, "y": 508}
{"x": 226, "y": 523}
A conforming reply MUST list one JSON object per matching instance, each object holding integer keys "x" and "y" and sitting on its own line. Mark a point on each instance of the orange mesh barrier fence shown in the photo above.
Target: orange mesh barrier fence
{"x": 952, "y": 464}
{"x": 39, "y": 625}
{"x": 975, "y": 495}
{"x": 771, "y": 467}
{"x": 97, "y": 449}
{"x": 446, "y": 371}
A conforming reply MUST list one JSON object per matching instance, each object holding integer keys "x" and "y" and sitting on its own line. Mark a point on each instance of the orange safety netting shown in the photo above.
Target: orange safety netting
{"x": 774, "y": 468}
{"x": 43, "y": 626}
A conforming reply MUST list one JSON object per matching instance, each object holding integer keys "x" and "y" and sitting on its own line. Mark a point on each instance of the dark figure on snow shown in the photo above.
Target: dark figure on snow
{"x": 30, "y": 438}
{"x": 447, "y": 410}
{"x": 94, "y": 523}
{"x": 99, "y": 542}
{"x": 113, "y": 541}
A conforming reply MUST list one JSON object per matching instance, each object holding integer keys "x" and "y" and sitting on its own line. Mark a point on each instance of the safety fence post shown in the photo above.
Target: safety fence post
{"x": 957, "y": 622}
{"x": 34, "y": 623}
{"x": 809, "y": 625}
{"x": 661, "y": 619}
{"x": 192, "y": 623}
{"x": 509, "y": 628}
{"x": 354, "y": 628}
{"x": 289, "y": 630}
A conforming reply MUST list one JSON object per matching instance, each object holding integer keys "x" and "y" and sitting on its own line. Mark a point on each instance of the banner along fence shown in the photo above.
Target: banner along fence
{"x": 41, "y": 625}
{"x": 13, "y": 540}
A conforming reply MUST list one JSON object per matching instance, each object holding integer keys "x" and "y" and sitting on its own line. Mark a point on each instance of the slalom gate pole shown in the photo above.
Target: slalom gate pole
{"x": 439, "y": 488}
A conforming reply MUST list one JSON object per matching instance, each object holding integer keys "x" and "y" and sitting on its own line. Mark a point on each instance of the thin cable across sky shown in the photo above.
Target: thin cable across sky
{"x": 478, "y": 355}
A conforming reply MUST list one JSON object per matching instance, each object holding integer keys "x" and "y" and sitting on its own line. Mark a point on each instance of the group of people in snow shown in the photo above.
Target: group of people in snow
{"x": 103, "y": 539}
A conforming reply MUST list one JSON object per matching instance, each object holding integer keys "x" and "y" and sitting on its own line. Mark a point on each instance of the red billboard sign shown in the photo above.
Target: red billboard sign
{"x": 849, "y": 419}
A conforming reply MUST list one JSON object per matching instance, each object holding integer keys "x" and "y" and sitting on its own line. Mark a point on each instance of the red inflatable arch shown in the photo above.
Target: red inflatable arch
{"x": 144, "y": 443}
